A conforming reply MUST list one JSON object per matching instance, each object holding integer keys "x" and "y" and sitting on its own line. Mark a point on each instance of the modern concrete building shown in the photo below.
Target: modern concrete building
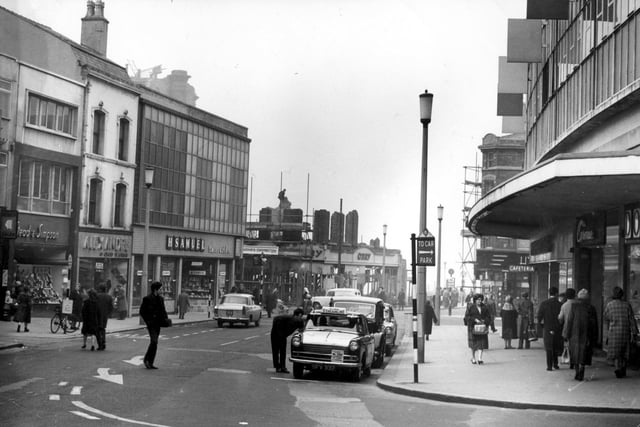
{"x": 578, "y": 199}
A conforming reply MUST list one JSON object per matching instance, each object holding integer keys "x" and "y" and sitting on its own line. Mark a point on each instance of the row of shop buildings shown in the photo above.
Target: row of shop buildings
{"x": 569, "y": 88}
{"x": 77, "y": 134}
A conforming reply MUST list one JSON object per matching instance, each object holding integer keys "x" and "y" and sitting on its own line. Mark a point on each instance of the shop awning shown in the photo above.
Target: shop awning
{"x": 564, "y": 187}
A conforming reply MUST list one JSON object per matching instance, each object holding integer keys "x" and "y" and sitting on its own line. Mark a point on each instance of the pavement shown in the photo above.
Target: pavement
{"x": 507, "y": 379}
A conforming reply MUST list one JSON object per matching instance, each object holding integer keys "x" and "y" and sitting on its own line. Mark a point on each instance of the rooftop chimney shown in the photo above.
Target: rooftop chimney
{"x": 95, "y": 27}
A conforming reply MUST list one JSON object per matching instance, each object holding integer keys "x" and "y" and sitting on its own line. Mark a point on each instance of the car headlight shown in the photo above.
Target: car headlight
{"x": 296, "y": 341}
{"x": 354, "y": 345}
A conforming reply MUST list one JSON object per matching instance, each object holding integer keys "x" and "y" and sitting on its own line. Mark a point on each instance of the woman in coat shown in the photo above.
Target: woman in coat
{"x": 622, "y": 328}
{"x": 509, "y": 316}
{"x": 429, "y": 319}
{"x": 121, "y": 302}
{"x": 90, "y": 321}
{"x": 23, "y": 311}
{"x": 477, "y": 314}
{"x": 581, "y": 330}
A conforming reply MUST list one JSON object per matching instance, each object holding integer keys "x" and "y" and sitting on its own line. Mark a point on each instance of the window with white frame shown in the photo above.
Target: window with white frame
{"x": 53, "y": 115}
{"x": 5, "y": 94}
{"x": 123, "y": 138}
{"x": 97, "y": 146}
{"x": 95, "y": 199}
{"x": 119, "y": 208}
{"x": 44, "y": 187}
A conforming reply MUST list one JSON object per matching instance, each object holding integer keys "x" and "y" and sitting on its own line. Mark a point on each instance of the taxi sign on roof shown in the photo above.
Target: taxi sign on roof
{"x": 334, "y": 310}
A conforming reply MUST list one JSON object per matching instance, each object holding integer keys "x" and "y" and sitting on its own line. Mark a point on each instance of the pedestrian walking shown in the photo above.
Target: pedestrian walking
{"x": 155, "y": 316}
{"x": 306, "y": 301}
{"x": 283, "y": 326}
{"x": 272, "y": 301}
{"x": 75, "y": 295}
{"x": 565, "y": 308}
{"x": 525, "y": 316}
{"x": 552, "y": 336}
{"x": 581, "y": 330}
{"x": 509, "y": 316}
{"x": 105, "y": 308}
{"x": 121, "y": 304}
{"x": 493, "y": 311}
{"x": 183, "y": 304}
{"x": 476, "y": 316}
{"x": 429, "y": 319}
{"x": 402, "y": 299}
{"x": 622, "y": 331}
{"x": 90, "y": 319}
{"x": 23, "y": 310}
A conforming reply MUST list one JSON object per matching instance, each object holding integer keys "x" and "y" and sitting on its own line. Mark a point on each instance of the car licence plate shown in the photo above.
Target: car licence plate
{"x": 337, "y": 356}
{"x": 229, "y": 313}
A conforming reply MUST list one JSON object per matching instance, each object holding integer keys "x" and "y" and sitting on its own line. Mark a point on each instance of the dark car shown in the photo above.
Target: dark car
{"x": 333, "y": 340}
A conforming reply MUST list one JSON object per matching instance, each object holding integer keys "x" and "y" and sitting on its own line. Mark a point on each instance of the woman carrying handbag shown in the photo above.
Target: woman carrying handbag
{"x": 477, "y": 318}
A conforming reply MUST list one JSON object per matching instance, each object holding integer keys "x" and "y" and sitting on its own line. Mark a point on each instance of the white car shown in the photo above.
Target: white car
{"x": 237, "y": 308}
{"x": 325, "y": 301}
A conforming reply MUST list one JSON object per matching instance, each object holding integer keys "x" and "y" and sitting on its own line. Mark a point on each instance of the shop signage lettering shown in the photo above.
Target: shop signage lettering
{"x": 108, "y": 246}
{"x": 222, "y": 250}
{"x": 39, "y": 233}
{"x": 363, "y": 257}
{"x": 178, "y": 243}
{"x": 520, "y": 268}
{"x": 590, "y": 230}
{"x": 197, "y": 272}
{"x": 632, "y": 224}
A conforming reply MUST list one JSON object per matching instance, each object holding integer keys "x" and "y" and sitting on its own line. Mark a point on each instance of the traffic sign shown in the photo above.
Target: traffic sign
{"x": 426, "y": 249}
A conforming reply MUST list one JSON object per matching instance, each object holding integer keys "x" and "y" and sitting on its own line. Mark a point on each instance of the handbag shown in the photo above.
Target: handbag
{"x": 480, "y": 329}
{"x": 566, "y": 357}
{"x": 532, "y": 333}
{"x": 166, "y": 323}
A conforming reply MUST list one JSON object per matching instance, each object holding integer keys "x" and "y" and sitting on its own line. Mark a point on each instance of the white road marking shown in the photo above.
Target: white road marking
{"x": 229, "y": 371}
{"x": 76, "y": 390}
{"x": 62, "y": 383}
{"x": 203, "y": 350}
{"x": 86, "y": 407}
{"x": 18, "y": 385}
{"x": 83, "y": 415}
{"x": 250, "y": 338}
{"x": 228, "y": 343}
{"x": 177, "y": 336}
{"x": 54, "y": 397}
{"x": 135, "y": 360}
{"x": 103, "y": 374}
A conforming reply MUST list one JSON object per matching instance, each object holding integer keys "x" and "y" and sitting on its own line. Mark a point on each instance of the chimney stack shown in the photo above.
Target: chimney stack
{"x": 95, "y": 27}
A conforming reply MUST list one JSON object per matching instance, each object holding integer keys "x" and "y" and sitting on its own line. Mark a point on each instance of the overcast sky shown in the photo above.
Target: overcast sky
{"x": 329, "y": 91}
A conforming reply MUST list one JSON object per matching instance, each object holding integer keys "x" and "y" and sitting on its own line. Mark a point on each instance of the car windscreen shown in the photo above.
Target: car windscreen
{"x": 234, "y": 299}
{"x": 334, "y": 322}
{"x": 367, "y": 309}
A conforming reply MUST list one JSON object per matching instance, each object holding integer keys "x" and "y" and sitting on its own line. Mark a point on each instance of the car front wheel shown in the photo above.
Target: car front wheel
{"x": 298, "y": 370}
{"x": 219, "y": 323}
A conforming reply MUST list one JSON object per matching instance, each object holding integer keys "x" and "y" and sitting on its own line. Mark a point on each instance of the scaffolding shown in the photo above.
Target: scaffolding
{"x": 471, "y": 194}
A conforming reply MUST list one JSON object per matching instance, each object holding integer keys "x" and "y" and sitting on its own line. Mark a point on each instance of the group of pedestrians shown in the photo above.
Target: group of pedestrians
{"x": 96, "y": 310}
{"x": 570, "y": 328}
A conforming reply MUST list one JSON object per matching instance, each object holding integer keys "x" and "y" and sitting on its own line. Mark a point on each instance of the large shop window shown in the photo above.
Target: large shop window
{"x": 53, "y": 115}
{"x": 104, "y": 271}
{"x": 44, "y": 187}
{"x": 633, "y": 276}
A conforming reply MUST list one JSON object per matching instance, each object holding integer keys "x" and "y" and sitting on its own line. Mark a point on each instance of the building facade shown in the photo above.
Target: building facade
{"x": 577, "y": 199}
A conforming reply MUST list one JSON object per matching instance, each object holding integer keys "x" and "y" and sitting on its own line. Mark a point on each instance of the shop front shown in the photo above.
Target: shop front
{"x": 104, "y": 260}
{"x": 42, "y": 256}
{"x": 200, "y": 265}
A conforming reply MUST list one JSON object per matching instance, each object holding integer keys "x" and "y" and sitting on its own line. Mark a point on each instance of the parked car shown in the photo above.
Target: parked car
{"x": 333, "y": 340}
{"x": 390, "y": 328}
{"x": 237, "y": 308}
{"x": 373, "y": 309}
{"x": 325, "y": 301}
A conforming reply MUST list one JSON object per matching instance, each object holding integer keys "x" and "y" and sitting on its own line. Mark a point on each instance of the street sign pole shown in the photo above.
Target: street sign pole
{"x": 414, "y": 313}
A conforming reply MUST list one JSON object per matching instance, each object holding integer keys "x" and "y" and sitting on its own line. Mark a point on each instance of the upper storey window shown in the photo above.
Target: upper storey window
{"x": 97, "y": 146}
{"x": 123, "y": 139}
{"x": 5, "y": 94}
{"x": 53, "y": 115}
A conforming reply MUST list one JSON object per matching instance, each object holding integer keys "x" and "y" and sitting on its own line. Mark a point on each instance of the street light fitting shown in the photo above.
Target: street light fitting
{"x": 384, "y": 229}
{"x": 426, "y": 102}
{"x": 440, "y": 212}
{"x": 148, "y": 176}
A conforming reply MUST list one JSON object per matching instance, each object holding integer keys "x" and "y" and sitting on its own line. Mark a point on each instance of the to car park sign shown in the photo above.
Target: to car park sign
{"x": 426, "y": 251}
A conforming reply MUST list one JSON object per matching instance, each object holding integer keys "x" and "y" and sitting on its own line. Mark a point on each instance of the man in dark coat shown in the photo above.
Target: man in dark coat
{"x": 429, "y": 319}
{"x": 105, "y": 307}
{"x": 283, "y": 326}
{"x": 581, "y": 330}
{"x": 525, "y": 313}
{"x": 76, "y": 311}
{"x": 548, "y": 319}
{"x": 154, "y": 314}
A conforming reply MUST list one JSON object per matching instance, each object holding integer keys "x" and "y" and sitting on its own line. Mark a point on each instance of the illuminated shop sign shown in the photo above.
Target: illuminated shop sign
{"x": 105, "y": 245}
{"x": 180, "y": 243}
{"x": 41, "y": 232}
{"x": 632, "y": 224}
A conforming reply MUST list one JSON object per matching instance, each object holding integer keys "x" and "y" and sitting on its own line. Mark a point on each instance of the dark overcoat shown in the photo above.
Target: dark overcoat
{"x": 429, "y": 318}
{"x": 477, "y": 342}
{"x": 581, "y": 329}
{"x": 23, "y": 311}
{"x": 509, "y": 316}
{"x": 105, "y": 308}
{"x": 153, "y": 311}
{"x": 548, "y": 318}
{"x": 90, "y": 317}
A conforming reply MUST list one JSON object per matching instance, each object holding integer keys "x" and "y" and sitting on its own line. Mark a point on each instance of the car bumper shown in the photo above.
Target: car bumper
{"x": 324, "y": 363}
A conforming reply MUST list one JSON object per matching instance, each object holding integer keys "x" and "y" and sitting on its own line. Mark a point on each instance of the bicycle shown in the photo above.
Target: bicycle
{"x": 64, "y": 321}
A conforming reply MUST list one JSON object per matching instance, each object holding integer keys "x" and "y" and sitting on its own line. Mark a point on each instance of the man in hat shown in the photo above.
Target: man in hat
{"x": 155, "y": 316}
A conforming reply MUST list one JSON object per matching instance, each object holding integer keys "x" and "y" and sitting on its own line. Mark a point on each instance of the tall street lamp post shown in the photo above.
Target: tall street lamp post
{"x": 440, "y": 214}
{"x": 148, "y": 182}
{"x": 426, "y": 103}
{"x": 384, "y": 258}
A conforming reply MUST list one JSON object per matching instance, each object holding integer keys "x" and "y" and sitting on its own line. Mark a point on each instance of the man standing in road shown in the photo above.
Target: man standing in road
{"x": 283, "y": 326}
{"x": 548, "y": 319}
{"x": 105, "y": 308}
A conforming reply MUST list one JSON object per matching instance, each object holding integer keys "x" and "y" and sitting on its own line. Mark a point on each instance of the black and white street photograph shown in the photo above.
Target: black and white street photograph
{"x": 320, "y": 213}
